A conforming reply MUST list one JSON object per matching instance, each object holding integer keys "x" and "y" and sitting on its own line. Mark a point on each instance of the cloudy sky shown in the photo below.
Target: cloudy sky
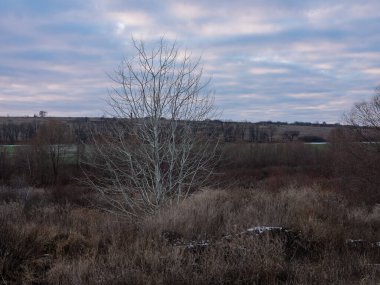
{"x": 287, "y": 60}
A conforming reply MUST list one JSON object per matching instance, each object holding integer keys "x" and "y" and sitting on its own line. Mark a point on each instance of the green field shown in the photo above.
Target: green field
{"x": 69, "y": 151}
{"x": 10, "y": 149}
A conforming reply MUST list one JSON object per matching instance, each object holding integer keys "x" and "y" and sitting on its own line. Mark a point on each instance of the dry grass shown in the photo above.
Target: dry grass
{"x": 50, "y": 241}
{"x": 323, "y": 196}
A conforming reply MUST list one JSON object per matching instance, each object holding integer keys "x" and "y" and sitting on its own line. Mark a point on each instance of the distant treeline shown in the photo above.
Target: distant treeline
{"x": 22, "y": 130}
{"x": 296, "y": 123}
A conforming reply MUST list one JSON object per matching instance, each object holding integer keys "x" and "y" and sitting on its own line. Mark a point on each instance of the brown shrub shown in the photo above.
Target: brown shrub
{"x": 356, "y": 163}
{"x": 22, "y": 253}
{"x": 71, "y": 194}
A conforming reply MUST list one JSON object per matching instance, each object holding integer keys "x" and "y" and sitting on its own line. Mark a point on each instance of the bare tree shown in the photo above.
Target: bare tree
{"x": 50, "y": 147}
{"x": 290, "y": 135}
{"x": 366, "y": 113}
{"x": 158, "y": 147}
{"x": 365, "y": 118}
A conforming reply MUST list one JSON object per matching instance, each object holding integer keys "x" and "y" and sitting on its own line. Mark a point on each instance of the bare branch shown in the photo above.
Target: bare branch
{"x": 159, "y": 148}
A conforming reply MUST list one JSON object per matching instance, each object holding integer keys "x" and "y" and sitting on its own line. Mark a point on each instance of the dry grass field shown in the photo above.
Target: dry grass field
{"x": 272, "y": 214}
{"x": 57, "y": 236}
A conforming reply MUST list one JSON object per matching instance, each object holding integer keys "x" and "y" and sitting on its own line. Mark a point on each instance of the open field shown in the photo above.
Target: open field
{"x": 12, "y": 149}
{"x": 218, "y": 236}
{"x": 278, "y": 213}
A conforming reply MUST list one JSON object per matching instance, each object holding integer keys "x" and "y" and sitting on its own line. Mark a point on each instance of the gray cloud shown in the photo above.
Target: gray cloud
{"x": 269, "y": 60}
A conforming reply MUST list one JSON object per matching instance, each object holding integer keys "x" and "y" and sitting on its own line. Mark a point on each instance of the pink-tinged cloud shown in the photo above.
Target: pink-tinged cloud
{"x": 269, "y": 60}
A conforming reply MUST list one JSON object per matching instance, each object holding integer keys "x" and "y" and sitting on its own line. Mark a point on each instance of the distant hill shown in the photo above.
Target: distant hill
{"x": 17, "y": 130}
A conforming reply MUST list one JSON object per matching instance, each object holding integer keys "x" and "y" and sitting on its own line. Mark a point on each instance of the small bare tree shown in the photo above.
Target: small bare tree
{"x": 158, "y": 147}
{"x": 366, "y": 113}
{"x": 365, "y": 118}
{"x": 49, "y": 148}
